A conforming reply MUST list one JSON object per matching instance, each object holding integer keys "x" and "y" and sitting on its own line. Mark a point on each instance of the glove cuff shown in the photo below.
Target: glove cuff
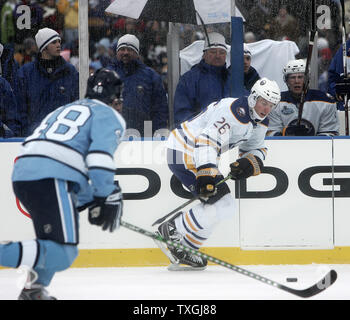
{"x": 256, "y": 163}
{"x": 208, "y": 169}
{"x": 207, "y": 172}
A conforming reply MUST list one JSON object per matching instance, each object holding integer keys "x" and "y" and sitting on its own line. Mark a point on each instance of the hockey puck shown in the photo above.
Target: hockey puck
{"x": 292, "y": 279}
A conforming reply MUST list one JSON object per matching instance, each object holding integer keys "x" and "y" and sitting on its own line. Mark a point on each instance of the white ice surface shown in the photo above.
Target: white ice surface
{"x": 157, "y": 283}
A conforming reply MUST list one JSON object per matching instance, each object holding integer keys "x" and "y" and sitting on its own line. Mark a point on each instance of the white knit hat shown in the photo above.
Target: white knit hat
{"x": 129, "y": 41}
{"x": 216, "y": 40}
{"x": 246, "y": 51}
{"x": 44, "y": 37}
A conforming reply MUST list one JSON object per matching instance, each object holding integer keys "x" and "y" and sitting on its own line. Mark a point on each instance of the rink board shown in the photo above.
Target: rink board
{"x": 296, "y": 212}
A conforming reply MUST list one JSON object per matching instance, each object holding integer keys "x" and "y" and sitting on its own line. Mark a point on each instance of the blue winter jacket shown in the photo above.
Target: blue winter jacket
{"x": 250, "y": 78}
{"x": 335, "y": 69}
{"x": 143, "y": 94}
{"x": 199, "y": 87}
{"x": 40, "y": 92}
{"x": 9, "y": 66}
{"x": 9, "y": 113}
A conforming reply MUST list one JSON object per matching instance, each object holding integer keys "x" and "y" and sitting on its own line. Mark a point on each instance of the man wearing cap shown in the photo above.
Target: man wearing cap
{"x": 206, "y": 82}
{"x": 144, "y": 96}
{"x": 46, "y": 83}
{"x": 250, "y": 74}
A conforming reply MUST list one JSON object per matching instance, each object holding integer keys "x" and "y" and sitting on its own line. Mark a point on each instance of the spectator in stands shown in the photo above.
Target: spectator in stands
{"x": 7, "y": 25}
{"x": 52, "y": 17}
{"x": 101, "y": 53}
{"x": 249, "y": 37}
{"x": 9, "y": 114}
{"x": 144, "y": 96}
{"x": 28, "y": 52}
{"x": 69, "y": 8}
{"x": 284, "y": 26}
{"x": 8, "y": 65}
{"x": 324, "y": 61}
{"x": 206, "y": 82}
{"x": 336, "y": 74}
{"x": 250, "y": 74}
{"x": 319, "y": 114}
{"x": 46, "y": 83}
{"x": 259, "y": 15}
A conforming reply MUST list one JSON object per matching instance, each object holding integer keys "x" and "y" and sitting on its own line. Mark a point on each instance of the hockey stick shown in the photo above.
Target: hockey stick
{"x": 308, "y": 61}
{"x": 318, "y": 287}
{"x": 160, "y": 220}
{"x": 346, "y": 108}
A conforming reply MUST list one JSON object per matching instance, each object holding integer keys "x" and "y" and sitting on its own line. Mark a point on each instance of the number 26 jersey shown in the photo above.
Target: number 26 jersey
{"x": 223, "y": 125}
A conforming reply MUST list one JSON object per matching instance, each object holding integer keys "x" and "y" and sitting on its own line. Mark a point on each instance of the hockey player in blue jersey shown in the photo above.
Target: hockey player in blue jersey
{"x": 65, "y": 166}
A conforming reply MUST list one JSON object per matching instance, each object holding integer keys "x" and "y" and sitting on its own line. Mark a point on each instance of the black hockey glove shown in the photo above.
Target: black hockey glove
{"x": 342, "y": 88}
{"x": 245, "y": 167}
{"x": 108, "y": 211}
{"x": 296, "y": 130}
{"x": 305, "y": 128}
{"x": 206, "y": 182}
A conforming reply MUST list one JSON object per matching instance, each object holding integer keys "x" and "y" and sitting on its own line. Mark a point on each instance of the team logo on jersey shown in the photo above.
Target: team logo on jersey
{"x": 287, "y": 110}
{"x": 118, "y": 133}
{"x": 47, "y": 228}
{"x": 240, "y": 111}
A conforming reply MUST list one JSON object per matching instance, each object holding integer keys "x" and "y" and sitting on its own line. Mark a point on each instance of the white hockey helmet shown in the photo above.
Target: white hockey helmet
{"x": 267, "y": 89}
{"x": 293, "y": 66}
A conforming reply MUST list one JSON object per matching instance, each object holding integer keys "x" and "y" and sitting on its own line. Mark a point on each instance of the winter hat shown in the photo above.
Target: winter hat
{"x": 322, "y": 43}
{"x": 246, "y": 51}
{"x": 129, "y": 41}
{"x": 44, "y": 37}
{"x": 216, "y": 40}
{"x": 104, "y": 42}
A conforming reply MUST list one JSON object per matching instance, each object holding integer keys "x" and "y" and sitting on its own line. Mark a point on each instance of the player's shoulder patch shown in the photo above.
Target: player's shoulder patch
{"x": 240, "y": 110}
{"x": 318, "y": 95}
{"x": 286, "y": 97}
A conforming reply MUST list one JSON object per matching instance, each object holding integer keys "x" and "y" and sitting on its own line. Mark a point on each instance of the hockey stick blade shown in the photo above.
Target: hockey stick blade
{"x": 160, "y": 220}
{"x": 317, "y": 288}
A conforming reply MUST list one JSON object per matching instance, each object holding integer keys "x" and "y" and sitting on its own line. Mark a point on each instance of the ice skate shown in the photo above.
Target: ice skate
{"x": 178, "y": 256}
{"x": 32, "y": 290}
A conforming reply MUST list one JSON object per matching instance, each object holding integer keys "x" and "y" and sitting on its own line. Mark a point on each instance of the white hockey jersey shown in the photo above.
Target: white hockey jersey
{"x": 318, "y": 109}
{"x": 223, "y": 125}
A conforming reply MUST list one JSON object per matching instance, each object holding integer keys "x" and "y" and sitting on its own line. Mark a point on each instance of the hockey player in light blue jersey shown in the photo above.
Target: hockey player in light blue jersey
{"x": 66, "y": 166}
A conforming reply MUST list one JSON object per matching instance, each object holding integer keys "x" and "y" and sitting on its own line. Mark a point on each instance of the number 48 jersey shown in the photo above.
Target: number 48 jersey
{"x": 76, "y": 142}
